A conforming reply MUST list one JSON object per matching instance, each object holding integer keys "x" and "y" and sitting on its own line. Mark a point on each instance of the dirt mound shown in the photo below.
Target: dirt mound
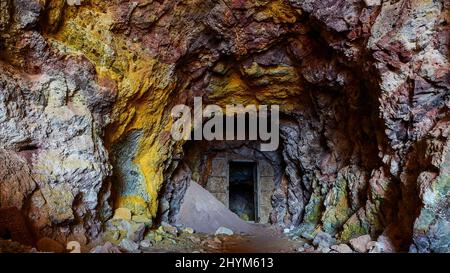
{"x": 201, "y": 211}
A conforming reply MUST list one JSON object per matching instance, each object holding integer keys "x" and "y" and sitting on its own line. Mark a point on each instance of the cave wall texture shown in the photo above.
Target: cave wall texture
{"x": 363, "y": 85}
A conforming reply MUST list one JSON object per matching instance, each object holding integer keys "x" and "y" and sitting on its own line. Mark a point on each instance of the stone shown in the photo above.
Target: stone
{"x": 136, "y": 232}
{"x": 245, "y": 217}
{"x": 385, "y": 244}
{"x": 59, "y": 202}
{"x": 309, "y": 249}
{"x": 169, "y": 229}
{"x": 188, "y": 230}
{"x": 267, "y": 171}
{"x": 160, "y": 230}
{"x": 112, "y": 236}
{"x": 372, "y": 3}
{"x": 158, "y": 238}
{"x": 322, "y": 239}
{"x": 224, "y": 231}
{"x": 219, "y": 167}
{"x": 267, "y": 184}
{"x": 142, "y": 219}
{"x": 129, "y": 246}
{"x": 122, "y": 213}
{"x": 214, "y": 243}
{"x": 145, "y": 243}
{"x": 108, "y": 247}
{"x": 382, "y": 245}
{"x": 371, "y": 245}
{"x": 217, "y": 184}
{"x": 342, "y": 248}
{"x": 79, "y": 237}
{"x": 49, "y": 245}
{"x": 117, "y": 229}
{"x": 359, "y": 244}
{"x": 324, "y": 249}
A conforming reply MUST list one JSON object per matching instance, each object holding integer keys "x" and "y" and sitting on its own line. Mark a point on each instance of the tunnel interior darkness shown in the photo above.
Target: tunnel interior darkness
{"x": 5, "y": 234}
{"x": 243, "y": 188}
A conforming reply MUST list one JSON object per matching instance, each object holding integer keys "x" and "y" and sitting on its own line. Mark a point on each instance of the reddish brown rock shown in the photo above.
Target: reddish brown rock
{"x": 363, "y": 88}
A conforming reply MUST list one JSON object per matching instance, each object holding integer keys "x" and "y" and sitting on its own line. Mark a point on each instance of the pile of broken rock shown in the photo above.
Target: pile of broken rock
{"x": 325, "y": 243}
{"x": 133, "y": 234}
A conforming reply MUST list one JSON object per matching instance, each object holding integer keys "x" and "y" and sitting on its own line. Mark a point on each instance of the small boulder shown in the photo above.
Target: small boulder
{"x": 323, "y": 250}
{"x": 245, "y": 217}
{"x": 117, "y": 229}
{"x": 371, "y": 245}
{"x": 49, "y": 245}
{"x": 383, "y": 245}
{"x": 142, "y": 219}
{"x": 169, "y": 229}
{"x": 136, "y": 232}
{"x": 145, "y": 243}
{"x": 342, "y": 248}
{"x": 106, "y": 248}
{"x": 224, "y": 231}
{"x": 372, "y": 3}
{"x": 323, "y": 240}
{"x": 129, "y": 246}
{"x": 122, "y": 213}
{"x": 118, "y": 225}
{"x": 153, "y": 236}
{"x": 359, "y": 244}
{"x": 112, "y": 236}
{"x": 309, "y": 249}
{"x": 158, "y": 238}
{"x": 188, "y": 230}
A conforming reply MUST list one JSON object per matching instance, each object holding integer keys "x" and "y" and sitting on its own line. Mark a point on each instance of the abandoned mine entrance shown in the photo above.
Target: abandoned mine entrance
{"x": 243, "y": 190}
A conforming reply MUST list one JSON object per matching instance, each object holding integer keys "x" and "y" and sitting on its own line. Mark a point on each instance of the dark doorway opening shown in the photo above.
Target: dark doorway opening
{"x": 5, "y": 234}
{"x": 243, "y": 189}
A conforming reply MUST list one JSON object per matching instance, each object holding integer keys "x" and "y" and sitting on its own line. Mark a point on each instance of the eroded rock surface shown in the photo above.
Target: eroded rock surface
{"x": 86, "y": 93}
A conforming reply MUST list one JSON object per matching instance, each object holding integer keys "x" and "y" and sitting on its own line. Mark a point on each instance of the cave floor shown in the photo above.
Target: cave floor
{"x": 265, "y": 240}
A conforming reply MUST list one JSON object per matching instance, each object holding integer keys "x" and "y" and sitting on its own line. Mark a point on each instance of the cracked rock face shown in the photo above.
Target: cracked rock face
{"x": 363, "y": 86}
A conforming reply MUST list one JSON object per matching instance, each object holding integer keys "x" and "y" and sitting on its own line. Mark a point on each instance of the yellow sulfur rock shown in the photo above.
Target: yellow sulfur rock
{"x": 122, "y": 213}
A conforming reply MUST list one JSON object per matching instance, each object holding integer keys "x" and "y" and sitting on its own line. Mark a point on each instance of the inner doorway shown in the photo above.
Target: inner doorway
{"x": 243, "y": 199}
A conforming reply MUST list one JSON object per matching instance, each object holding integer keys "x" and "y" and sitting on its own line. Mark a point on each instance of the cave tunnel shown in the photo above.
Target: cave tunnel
{"x": 236, "y": 173}
{"x": 243, "y": 190}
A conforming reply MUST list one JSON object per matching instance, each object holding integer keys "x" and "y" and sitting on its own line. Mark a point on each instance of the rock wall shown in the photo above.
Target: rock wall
{"x": 85, "y": 95}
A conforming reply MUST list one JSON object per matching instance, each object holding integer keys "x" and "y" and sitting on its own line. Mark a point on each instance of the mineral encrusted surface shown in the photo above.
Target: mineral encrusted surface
{"x": 86, "y": 93}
